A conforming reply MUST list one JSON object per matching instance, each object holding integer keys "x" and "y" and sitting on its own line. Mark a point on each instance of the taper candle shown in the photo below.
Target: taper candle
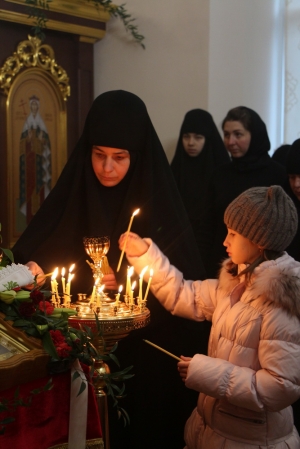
{"x": 128, "y": 282}
{"x": 141, "y": 281}
{"x": 118, "y": 295}
{"x": 132, "y": 291}
{"x": 63, "y": 280}
{"x": 129, "y": 227}
{"x": 149, "y": 283}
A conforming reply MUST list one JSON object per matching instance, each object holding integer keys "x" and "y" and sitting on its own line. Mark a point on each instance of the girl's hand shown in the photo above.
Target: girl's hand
{"x": 183, "y": 367}
{"x": 135, "y": 245}
{"x": 37, "y": 272}
{"x": 109, "y": 280}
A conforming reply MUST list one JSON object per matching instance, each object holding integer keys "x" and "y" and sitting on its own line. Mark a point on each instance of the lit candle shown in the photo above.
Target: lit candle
{"x": 99, "y": 294}
{"x": 118, "y": 295}
{"x": 128, "y": 283}
{"x": 68, "y": 286}
{"x": 141, "y": 281}
{"x": 148, "y": 286}
{"x": 129, "y": 227}
{"x": 94, "y": 290}
{"x": 54, "y": 284}
{"x": 63, "y": 280}
{"x": 132, "y": 291}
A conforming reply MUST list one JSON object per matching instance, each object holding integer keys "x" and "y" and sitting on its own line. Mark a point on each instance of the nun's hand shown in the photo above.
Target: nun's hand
{"x": 109, "y": 280}
{"x": 183, "y": 367}
{"x": 37, "y": 272}
{"x": 135, "y": 246}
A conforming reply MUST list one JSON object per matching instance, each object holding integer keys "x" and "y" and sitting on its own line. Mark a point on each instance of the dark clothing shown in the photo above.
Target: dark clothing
{"x": 80, "y": 206}
{"x": 192, "y": 174}
{"x": 280, "y": 155}
{"x": 294, "y": 248}
{"x": 228, "y": 181}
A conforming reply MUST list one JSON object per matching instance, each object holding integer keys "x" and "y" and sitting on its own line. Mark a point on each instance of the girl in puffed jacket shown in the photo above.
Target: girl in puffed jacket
{"x": 251, "y": 376}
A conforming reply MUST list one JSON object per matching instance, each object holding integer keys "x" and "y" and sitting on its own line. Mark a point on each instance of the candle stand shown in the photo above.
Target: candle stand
{"x": 117, "y": 320}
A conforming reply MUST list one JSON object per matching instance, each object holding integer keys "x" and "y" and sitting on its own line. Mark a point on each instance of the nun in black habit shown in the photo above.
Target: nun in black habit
{"x": 192, "y": 165}
{"x": 79, "y": 205}
{"x": 246, "y": 138}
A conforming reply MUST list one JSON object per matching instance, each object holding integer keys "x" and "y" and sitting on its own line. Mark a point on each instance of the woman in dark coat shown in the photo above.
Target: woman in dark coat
{"x": 200, "y": 149}
{"x": 85, "y": 203}
{"x": 246, "y": 139}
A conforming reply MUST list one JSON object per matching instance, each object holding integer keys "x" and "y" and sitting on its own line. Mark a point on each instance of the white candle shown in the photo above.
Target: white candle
{"x": 128, "y": 283}
{"x": 141, "y": 281}
{"x": 129, "y": 227}
{"x": 54, "y": 284}
{"x": 118, "y": 295}
{"x": 149, "y": 283}
{"x": 132, "y": 291}
{"x": 63, "y": 280}
{"x": 94, "y": 290}
{"x": 68, "y": 286}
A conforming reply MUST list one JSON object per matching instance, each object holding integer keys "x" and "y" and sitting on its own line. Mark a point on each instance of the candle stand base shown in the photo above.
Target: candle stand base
{"x": 117, "y": 320}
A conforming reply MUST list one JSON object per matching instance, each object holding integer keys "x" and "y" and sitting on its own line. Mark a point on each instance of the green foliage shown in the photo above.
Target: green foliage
{"x": 37, "y": 8}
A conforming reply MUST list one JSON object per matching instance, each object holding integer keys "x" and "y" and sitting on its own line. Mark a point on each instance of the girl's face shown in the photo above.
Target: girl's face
{"x": 193, "y": 143}
{"x": 110, "y": 165}
{"x": 236, "y": 138}
{"x": 240, "y": 249}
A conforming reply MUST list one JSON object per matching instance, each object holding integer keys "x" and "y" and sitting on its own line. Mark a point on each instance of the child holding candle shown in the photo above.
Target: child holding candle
{"x": 117, "y": 167}
{"x": 251, "y": 376}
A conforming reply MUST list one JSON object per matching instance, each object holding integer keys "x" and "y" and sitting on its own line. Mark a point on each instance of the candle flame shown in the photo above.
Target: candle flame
{"x": 135, "y": 212}
{"x": 133, "y": 285}
{"x": 63, "y": 271}
{"x": 100, "y": 290}
{"x": 120, "y": 288}
{"x": 130, "y": 271}
{"x": 143, "y": 271}
{"x": 71, "y": 268}
{"x": 53, "y": 277}
{"x": 151, "y": 273}
{"x": 97, "y": 282}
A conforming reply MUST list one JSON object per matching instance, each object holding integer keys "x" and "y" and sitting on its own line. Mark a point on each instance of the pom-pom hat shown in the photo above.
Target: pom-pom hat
{"x": 265, "y": 215}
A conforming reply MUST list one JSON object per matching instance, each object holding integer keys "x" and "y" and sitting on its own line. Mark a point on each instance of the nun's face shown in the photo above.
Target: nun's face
{"x": 193, "y": 143}
{"x": 294, "y": 181}
{"x": 110, "y": 165}
{"x": 236, "y": 138}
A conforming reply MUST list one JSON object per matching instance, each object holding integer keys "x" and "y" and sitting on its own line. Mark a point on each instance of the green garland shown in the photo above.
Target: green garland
{"x": 37, "y": 8}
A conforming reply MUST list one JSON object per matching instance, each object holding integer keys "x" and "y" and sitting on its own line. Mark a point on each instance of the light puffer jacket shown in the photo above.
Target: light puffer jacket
{"x": 252, "y": 373}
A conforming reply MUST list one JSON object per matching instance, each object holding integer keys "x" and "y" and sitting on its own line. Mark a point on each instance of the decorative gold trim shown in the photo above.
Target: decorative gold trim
{"x": 31, "y": 54}
{"x": 93, "y": 34}
{"x": 77, "y": 8}
{"x": 90, "y": 444}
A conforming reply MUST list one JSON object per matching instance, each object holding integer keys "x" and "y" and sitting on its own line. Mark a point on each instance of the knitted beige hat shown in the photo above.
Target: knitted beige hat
{"x": 265, "y": 215}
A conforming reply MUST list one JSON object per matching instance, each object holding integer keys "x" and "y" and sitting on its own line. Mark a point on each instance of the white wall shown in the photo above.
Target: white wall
{"x": 171, "y": 75}
{"x": 246, "y": 60}
{"x": 211, "y": 54}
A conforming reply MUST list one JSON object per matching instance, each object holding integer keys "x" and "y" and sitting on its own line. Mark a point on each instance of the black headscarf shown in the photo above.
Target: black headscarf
{"x": 80, "y": 206}
{"x": 193, "y": 173}
{"x": 257, "y": 155}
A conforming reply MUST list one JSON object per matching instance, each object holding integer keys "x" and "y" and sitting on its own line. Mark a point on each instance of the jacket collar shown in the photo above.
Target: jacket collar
{"x": 276, "y": 281}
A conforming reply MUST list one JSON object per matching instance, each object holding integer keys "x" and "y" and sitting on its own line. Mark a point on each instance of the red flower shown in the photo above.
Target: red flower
{"x": 46, "y": 306}
{"x": 62, "y": 348}
{"x": 26, "y": 309}
{"x": 37, "y": 296}
{"x": 57, "y": 337}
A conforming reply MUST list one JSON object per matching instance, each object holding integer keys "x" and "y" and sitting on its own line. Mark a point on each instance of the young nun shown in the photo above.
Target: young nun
{"x": 251, "y": 376}
{"x": 118, "y": 166}
{"x": 200, "y": 149}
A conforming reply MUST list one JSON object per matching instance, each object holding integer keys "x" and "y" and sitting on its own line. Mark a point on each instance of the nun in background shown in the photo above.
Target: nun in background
{"x": 117, "y": 166}
{"x": 200, "y": 149}
{"x": 293, "y": 190}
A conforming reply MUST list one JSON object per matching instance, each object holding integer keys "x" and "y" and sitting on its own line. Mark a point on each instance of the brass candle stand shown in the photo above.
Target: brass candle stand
{"x": 116, "y": 317}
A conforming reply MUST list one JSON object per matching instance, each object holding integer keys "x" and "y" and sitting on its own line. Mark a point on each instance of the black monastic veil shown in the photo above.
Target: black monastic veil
{"x": 158, "y": 402}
